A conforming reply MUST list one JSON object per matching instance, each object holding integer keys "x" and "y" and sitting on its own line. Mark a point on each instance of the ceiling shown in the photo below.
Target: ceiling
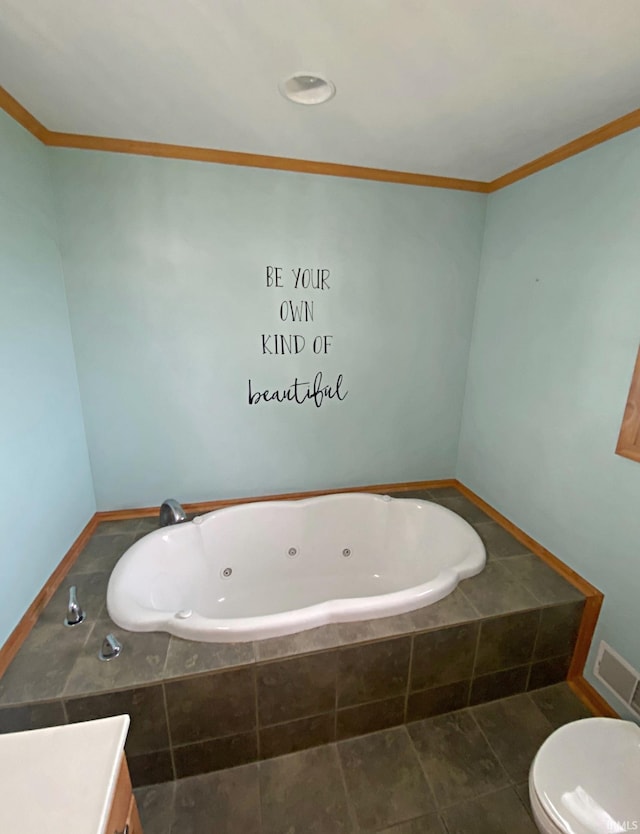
{"x": 457, "y": 88}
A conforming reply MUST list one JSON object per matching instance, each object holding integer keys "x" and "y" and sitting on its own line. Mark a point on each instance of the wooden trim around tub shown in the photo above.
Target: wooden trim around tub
{"x": 208, "y": 506}
{"x": 629, "y": 438}
{"x": 280, "y": 163}
{"x": 591, "y": 698}
{"x": 593, "y": 596}
{"x": 590, "y": 614}
{"x": 20, "y": 633}
{"x": 595, "y": 137}
{"x": 531, "y": 544}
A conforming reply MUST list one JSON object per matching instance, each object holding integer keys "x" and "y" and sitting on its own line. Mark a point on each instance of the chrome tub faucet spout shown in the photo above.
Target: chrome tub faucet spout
{"x": 171, "y": 512}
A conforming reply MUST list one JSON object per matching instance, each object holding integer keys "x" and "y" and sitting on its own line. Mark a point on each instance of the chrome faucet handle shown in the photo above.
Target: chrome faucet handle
{"x": 111, "y": 648}
{"x": 75, "y": 614}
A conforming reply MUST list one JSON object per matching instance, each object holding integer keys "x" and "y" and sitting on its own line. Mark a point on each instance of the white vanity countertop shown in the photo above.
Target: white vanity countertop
{"x": 60, "y": 779}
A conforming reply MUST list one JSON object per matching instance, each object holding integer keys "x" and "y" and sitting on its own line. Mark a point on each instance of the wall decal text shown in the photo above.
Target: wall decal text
{"x": 298, "y": 311}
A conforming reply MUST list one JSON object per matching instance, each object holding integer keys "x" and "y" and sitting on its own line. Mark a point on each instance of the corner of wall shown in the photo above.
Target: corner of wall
{"x": 54, "y": 196}
{"x": 458, "y": 474}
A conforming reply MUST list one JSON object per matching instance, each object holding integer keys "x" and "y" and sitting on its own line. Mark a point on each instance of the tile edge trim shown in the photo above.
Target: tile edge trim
{"x": 593, "y": 596}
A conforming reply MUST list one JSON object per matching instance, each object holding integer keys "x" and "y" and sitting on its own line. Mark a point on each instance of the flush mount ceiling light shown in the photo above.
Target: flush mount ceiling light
{"x": 307, "y": 88}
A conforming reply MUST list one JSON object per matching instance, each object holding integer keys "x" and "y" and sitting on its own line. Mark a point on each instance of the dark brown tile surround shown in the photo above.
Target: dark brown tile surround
{"x": 198, "y": 707}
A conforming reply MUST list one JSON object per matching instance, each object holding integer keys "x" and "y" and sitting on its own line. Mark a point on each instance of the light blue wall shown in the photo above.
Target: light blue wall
{"x": 46, "y": 492}
{"x": 165, "y": 266}
{"x": 555, "y": 338}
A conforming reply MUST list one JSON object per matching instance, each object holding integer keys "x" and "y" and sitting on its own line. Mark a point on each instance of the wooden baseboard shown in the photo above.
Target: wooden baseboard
{"x": 208, "y": 506}
{"x": 593, "y": 596}
{"x": 591, "y": 698}
{"x": 20, "y": 633}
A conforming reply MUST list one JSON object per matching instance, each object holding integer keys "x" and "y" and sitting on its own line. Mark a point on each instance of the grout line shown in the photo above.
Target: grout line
{"x": 445, "y": 827}
{"x": 201, "y": 673}
{"x": 166, "y": 678}
{"x": 305, "y": 652}
{"x": 368, "y": 641}
{"x": 260, "y": 813}
{"x": 529, "y": 671}
{"x": 348, "y": 707}
{"x": 534, "y": 703}
{"x": 350, "y": 807}
{"x": 166, "y": 718}
{"x": 538, "y": 710}
{"x": 497, "y": 758}
{"x": 293, "y": 720}
{"x": 475, "y": 656}
{"x": 258, "y": 761}
{"x": 522, "y": 802}
{"x": 335, "y": 696}
{"x": 510, "y": 787}
{"x": 209, "y": 739}
{"x": 63, "y": 691}
{"x": 535, "y": 642}
{"x": 256, "y": 712}
{"x": 470, "y": 603}
{"x": 533, "y": 651}
{"x": 503, "y": 669}
{"x": 172, "y": 812}
{"x": 409, "y": 674}
{"x": 436, "y": 804}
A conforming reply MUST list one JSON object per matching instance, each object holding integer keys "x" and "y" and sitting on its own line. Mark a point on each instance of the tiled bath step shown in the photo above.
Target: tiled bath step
{"x": 460, "y": 773}
{"x": 198, "y": 707}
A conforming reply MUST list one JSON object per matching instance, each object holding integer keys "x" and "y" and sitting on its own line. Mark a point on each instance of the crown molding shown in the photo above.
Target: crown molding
{"x": 251, "y": 160}
{"x": 21, "y": 115}
{"x": 596, "y": 137}
{"x": 281, "y": 163}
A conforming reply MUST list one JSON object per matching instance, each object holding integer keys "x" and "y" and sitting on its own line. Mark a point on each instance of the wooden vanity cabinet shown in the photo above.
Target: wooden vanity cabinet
{"x": 123, "y": 817}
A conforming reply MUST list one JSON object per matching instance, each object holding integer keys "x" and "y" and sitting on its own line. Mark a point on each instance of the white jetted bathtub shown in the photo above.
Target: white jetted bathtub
{"x": 277, "y": 567}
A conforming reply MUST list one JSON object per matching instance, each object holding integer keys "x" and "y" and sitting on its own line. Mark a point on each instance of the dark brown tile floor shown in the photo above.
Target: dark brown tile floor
{"x": 458, "y": 773}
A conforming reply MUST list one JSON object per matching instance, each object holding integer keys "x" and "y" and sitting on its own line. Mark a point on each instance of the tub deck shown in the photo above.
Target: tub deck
{"x": 199, "y": 707}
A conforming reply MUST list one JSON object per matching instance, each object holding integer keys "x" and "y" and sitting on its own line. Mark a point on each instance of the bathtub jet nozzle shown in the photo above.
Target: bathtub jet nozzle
{"x": 171, "y": 512}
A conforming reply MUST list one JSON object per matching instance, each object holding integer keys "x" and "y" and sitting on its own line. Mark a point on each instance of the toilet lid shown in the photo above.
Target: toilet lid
{"x": 587, "y": 776}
